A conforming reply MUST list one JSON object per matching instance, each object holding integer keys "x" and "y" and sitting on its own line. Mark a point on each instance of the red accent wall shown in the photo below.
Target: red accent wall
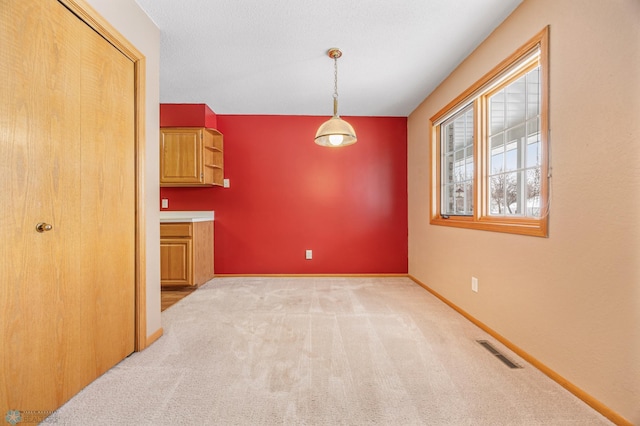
{"x": 287, "y": 194}
{"x": 187, "y": 115}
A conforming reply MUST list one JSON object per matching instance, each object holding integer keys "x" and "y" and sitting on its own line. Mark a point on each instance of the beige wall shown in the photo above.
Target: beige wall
{"x": 572, "y": 300}
{"x": 131, "y": 21}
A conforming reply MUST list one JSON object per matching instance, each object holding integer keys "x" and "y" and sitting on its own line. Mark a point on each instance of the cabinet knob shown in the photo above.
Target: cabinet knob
{"x": 43, "y": 227}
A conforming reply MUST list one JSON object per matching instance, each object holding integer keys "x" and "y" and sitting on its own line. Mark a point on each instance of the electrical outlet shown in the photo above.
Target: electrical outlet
{"x": 474, "y": 284}
{"x": 225, "y": 183}
{"x": 165, "y": 203}
{"x": 308, "y": 254}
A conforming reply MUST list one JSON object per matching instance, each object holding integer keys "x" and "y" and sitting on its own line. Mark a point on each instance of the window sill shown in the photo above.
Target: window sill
{"x": 531, "y": 227}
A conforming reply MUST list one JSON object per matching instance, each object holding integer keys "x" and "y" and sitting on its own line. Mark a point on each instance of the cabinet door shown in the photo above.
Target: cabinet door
{"x": 181, "y": 157}
{"x": 176, "y": 261}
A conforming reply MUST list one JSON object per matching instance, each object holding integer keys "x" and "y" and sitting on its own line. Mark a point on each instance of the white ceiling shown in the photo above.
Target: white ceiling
{"x": 269, "y": 57}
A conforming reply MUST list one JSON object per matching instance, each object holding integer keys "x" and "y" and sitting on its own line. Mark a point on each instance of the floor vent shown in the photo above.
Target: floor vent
{"x": 488, "y": 346}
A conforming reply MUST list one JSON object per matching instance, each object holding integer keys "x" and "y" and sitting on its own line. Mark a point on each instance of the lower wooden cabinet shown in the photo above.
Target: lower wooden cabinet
{"x": 186, "y": 253}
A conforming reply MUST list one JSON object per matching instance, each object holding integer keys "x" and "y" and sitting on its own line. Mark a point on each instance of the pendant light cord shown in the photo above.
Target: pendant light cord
{"x": 335, "y": 85}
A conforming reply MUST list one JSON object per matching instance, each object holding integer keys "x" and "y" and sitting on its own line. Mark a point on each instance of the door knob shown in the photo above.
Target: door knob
{"x": 42, "y": 227}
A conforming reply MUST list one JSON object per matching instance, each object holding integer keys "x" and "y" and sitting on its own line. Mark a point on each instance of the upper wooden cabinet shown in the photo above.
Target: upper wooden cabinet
{"x": 191, "y": 156}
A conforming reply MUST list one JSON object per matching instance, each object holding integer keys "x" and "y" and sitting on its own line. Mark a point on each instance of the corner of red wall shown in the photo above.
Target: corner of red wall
{"x": 187, "y": 115}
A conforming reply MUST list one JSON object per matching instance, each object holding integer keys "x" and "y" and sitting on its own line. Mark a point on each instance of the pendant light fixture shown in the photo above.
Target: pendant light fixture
{"x": 335, "y": 131}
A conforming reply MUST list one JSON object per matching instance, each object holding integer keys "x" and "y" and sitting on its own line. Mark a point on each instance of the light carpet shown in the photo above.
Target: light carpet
{"x": 321, "y": 351}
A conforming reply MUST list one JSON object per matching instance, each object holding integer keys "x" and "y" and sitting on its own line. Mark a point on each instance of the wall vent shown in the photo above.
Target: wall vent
{"x": 488, "y": 346}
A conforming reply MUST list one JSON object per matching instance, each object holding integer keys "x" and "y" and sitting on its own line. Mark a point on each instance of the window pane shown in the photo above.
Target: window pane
{"x": 515, "y": 134}
{"x": 459, "y": 138}
{"x": 469, "y": 167}
{"x": 533, "y": 130}
{"x": 497, "y": 154}
{"x": 533, "y": 192}
{"x": 447, "y": 138}
{"x": 496, "y": 112}
{"x": 457, "y": 162}
{"x": 459, "y": 204}
{"x": 447, "y": 198}
{"x": 511, "y": 158}
{"x": 497, "y": 141}
{"x": 533, "y": 93}
{"x": 459, "y": 166}
{"x": 513, "y": 194}
{"x": 515, "y": 99}
{"x": 533, "y": 154}
{"x": 496, "y": 194}
{"x": 506, "y": 192}
{"x": 497, "y": 163}
{"x": 468, "y": 117}
{"x": 469, "y": 195}
{"x": 515, "y": 138}
{"x": 447, "y": 169}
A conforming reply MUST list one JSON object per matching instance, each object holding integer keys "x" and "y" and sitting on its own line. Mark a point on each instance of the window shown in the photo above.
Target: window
{"x": 489, "y": 149}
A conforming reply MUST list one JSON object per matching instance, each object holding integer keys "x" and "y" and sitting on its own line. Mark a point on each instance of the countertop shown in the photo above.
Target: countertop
{"x": 186, "y": 216}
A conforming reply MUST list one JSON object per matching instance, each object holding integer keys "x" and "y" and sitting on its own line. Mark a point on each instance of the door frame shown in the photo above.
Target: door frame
{"x": 93, "y": 19}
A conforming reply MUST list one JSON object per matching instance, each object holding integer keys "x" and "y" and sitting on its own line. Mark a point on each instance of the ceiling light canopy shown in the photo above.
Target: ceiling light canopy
{"x": 335, "y": 131}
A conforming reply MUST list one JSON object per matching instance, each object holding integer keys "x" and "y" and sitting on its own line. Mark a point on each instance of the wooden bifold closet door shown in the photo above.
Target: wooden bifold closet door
{"x": 67, "y": 213}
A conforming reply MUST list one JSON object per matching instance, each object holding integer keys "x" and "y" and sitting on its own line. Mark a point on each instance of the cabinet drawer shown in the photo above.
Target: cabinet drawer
{"x": 176, "y": 230}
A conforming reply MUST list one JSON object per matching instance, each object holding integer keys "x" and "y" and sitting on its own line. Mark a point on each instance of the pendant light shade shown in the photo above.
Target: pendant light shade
{"x": 335, "y": 132}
